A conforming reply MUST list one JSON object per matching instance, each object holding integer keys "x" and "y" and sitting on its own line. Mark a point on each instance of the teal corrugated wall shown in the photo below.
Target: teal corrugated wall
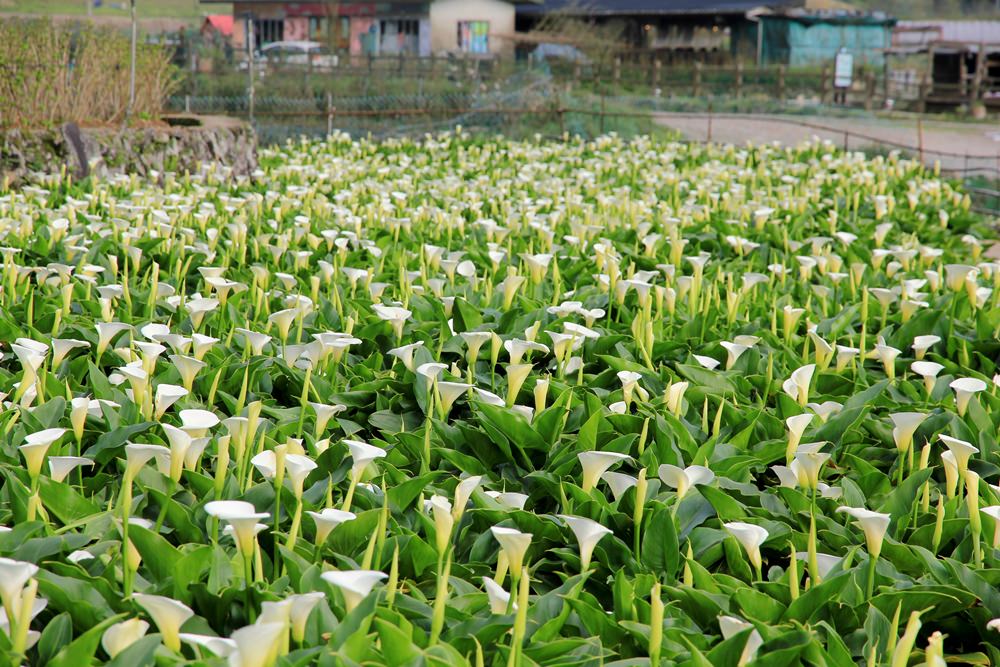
{"x": 798, "y": 44}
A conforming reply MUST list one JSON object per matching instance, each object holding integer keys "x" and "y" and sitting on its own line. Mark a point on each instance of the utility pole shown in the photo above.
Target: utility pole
{"x": 131, "y": 71}
{"x": 250, "y": 58}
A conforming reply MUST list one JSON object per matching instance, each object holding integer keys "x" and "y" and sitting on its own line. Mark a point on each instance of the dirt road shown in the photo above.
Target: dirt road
{"x": 957, "y": 145}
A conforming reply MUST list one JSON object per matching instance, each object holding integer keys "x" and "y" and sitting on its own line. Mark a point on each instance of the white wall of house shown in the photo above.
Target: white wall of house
{"x": 448, "y": 15}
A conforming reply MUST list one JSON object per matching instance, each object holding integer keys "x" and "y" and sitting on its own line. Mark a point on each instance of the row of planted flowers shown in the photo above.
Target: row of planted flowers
{"x": 458, "y": 401}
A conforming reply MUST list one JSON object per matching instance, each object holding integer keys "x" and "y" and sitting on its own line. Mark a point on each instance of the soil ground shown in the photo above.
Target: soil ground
{"x": 957, "y": 145}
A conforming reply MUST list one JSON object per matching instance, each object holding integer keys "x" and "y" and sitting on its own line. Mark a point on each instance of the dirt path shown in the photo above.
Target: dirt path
{"x": 957, "y": 145}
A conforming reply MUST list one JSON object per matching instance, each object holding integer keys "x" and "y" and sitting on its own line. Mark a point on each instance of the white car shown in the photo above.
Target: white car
{"x": 302, "y": 53}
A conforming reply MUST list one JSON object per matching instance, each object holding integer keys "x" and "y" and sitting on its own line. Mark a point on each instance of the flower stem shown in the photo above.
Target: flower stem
{"x": 870, "y": 584}
{"x": 440, "y": 598}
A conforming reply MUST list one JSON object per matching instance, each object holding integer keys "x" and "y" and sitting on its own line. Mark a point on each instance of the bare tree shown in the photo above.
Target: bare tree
{"x": 575, "y": 25}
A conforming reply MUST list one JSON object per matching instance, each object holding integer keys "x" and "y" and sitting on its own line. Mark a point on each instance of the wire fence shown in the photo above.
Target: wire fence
{"x": 545, "y": 111}
{"x": 900, "y": 85}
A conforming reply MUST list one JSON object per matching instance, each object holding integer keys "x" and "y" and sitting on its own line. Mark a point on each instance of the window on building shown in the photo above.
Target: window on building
{"x": 319, "y": 28}
{"x": 474, "y": 36}
{"x": 399, "y": 36}
{"x": 409, "y": 27}
{"x": 266, "y": 31}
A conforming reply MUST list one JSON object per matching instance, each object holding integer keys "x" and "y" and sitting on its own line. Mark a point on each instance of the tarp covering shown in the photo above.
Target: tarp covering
{"x": 795, "y": 42}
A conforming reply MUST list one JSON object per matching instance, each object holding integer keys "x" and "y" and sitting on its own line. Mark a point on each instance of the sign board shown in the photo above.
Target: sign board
{"x": 843, "y": 70}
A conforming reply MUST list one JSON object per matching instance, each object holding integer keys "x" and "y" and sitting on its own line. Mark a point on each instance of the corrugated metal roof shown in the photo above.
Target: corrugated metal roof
{"x": 651, "y": 7}
{"x": 923, "y": 33}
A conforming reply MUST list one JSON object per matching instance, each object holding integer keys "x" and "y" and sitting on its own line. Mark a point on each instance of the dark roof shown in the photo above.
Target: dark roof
{"x": 834, "y": 17}
{"x": 652, "y": 7}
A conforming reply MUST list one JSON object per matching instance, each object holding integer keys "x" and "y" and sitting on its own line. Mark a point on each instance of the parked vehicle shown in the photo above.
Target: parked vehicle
{"x": 302, "y": 53}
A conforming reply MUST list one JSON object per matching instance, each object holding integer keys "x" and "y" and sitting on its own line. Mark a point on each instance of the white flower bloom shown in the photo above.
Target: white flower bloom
{"x": 242, "y": 517}
{"x": 168, "y": 614}
{"x": 256, "y": 645}
{"x": 120, "y": 636}
{"x": 499, "y": 598}
{"x": 874, "y": 525}
{"x": 682, "y": 479}
{"x": 750, "y": 537}
{"x": 514, "y": 545}
{"x": 797, "y": 386}
{"x": 354, "y": 584}
{"x": 965, "y": 389}
{"x": 731, "y": 626}
{"x": 220, "y": 646}
{"x": 905, "y": 425}
{"x": 61, "y": 466}
{"x": 595, "y": 463}
{"x": 588, "y": 533}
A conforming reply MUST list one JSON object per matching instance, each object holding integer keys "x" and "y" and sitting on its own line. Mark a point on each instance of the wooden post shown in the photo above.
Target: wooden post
{"x": 869, "y": 90}
{"x": 657, "y": 72}
{"x": 708, "y": 130}
{"x": 696, "y": 80}
{"x": 885, "y": 81}
{"x": 923, "y": 92}
{"x": 329, "y": 113}
{"x": 920, "y": 138}
{"x": 603, "y": 95}
{"x": 739, "y": 78}
{"x": 617, "y": 74}
{"x": 781, "y": 83}
{"x": 824, "y": 80}
{"x": 187, "y": 104}
{"x": 977, "y": 77}
{"x": 562, "y": 115}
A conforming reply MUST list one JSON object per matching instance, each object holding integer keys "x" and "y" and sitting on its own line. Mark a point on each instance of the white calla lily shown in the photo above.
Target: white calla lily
{"x": 682, "y": 479}
{"x": 120, "y": 636}
{"x": 355, "y": 585}
{"x": 873, "y": 524}
{"x": 797, "y": 386}
{"x": 168, "y": 615}
{"x": 595, "y": 464}
{"x": 750, "y": 537}
{"x": 965, "y": 389}
{"x": 588, "y": 533}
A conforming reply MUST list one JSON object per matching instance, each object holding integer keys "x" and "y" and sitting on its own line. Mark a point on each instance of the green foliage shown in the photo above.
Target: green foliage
{"x": 553, "y": 384}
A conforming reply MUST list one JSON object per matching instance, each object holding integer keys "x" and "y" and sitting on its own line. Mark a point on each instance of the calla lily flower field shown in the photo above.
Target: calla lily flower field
{"x": 456, "y": 401}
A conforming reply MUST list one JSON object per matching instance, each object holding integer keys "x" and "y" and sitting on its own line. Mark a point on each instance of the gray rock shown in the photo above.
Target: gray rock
{"x": 225, "y": 142}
